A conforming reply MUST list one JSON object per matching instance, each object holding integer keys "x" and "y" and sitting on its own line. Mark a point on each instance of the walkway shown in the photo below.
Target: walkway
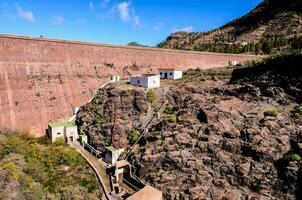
{"x": 99, "y": 167}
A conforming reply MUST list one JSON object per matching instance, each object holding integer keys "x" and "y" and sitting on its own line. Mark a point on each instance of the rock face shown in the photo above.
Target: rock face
{"x": 222, "y": 146}
{"x": 42, "y": 79}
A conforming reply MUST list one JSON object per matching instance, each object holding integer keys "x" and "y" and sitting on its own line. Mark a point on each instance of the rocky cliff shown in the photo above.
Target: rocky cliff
{"x": 214, "y": 140}
{"x": 273, "y": 23}
{"x": 41, "y": 80}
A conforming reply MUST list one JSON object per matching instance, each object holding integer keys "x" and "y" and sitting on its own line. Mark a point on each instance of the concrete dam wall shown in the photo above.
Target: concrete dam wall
{"x": 41, "y": 80}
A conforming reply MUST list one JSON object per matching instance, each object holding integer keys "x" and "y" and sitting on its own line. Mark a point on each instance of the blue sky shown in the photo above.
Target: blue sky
{"x": 117, "y": 21}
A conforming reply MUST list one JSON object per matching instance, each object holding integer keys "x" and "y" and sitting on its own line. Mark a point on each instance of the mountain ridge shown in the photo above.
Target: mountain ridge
{"x": 272, "y": 25}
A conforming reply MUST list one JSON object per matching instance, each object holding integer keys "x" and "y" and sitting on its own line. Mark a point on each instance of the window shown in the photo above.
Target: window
{"x": 171, "y": 74}
{"x": 161, "y": 73}
{"x": 138, "y": 82}
{"x": 58, "y": 133}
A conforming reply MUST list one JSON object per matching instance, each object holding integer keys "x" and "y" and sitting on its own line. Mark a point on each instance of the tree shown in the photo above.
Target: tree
{"x": 266, "y": 47}
{"x": 151, "y": 96}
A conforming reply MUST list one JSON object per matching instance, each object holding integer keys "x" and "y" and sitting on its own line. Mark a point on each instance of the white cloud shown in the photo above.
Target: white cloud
{"x": 159, "y": 26}
{"x": 29, "y": 16}
{"x": 58, "y": 20}
{"x": 91, "y": 6}
{"x": 136, "y": 21}
{"x": 187, "y": 29}
{"x": 123, "y": 10}
{"x": 127, "y": 13}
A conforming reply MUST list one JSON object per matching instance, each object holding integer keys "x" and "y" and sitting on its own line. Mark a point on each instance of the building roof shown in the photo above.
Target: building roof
{"x": 168, "y": 68}
{"x": 111, "y": 148}
{"x": 147, "y": 193}
{"x": 62, "y": 124}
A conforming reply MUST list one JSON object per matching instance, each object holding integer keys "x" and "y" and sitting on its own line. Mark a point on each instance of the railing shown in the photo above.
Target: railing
{"x": 144, "y": 131}
{"x": 92, "y": 150}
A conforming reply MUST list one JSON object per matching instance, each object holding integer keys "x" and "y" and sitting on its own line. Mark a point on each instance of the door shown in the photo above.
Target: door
{"x": 166, "y": 75}
{"x": 71, "y": 138}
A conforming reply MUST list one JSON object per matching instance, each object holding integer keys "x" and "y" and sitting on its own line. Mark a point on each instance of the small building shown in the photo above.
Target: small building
{"x": 83, "y": 139}
{"x": 170, "y": 73}
{"x": 75, "y": 110}
{"x": 67, "y": 130}
{"x": 233, "y": 63}
{"x": 146, "y": 80}
{"x": 112, "y": 154}
{"x": 115, "y": 78}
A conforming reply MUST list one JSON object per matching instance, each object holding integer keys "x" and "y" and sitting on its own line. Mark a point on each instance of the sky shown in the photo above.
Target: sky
{"x": 117, "y": 21}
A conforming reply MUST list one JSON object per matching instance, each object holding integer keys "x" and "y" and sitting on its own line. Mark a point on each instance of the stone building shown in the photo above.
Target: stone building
{"x": 146, "y": 80}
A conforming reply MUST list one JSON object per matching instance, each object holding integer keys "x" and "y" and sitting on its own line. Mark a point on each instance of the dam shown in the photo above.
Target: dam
{"x": 41, "y": 79}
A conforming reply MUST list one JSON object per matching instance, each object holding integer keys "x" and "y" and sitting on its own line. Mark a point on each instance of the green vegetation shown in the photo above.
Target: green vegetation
{"x": 225, "y": 39}
{"x": 152, "y": 176}
{"x": 172, "y": 118}
{"x": 151, "y": 96}
{"x": 92, "y": 106}
{"x": 133, "y": 136}
{"x": 200, "y": 75}
{"x": 43, "y": 170}
{"x": 97, "y": 120}
{"x": 295, "y": 157}
{"x": 169, "y": 110}
{"x": 61, "y": 141}
{"x": 271, "y": 112}
{"x": 297, "y": 112}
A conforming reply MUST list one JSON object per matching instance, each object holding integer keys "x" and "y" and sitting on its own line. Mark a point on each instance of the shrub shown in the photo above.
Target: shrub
{"x": 169, "y": 110}
{"x": 151, "y": 96}
{"x": 298, "y": 109}
{"x": 297, "y": 112}
{"x": 271, "y": 112}
{"x": 92, "y": 106}
{"x": 133, "y": 136}
{"x": 97, "y": 120}
{"x": 41, "y": 169}
{"x": 152, "y": 176}
{"x": 172, "y": 118}
{"x": 295, "y": 157}
{"x": 60, "y": 142}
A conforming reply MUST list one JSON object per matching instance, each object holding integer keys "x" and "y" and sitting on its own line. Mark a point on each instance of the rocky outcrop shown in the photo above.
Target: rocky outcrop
{"x": 222, "y": 146}
{"x": 41, "y": 80}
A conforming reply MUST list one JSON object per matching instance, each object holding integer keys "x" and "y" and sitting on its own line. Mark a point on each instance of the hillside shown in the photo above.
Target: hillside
{"x": 273, "y": 26}
{"x": 215, "y": 139}
{"x": 33, "y": 169}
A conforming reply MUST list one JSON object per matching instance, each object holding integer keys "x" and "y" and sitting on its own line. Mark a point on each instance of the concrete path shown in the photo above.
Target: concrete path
{"x": 100, "y": 169}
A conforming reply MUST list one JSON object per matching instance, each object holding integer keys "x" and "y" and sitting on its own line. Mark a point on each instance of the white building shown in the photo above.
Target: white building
{"x": 115, "y": 78}
{"x": 170, "y": 73}
{"x": 67, "y": 130}
{"x": 233, "y": 63}
{"x": 146, "y": 80}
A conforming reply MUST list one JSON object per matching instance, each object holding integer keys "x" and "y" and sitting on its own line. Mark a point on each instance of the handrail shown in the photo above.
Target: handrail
{"x": 81, "y": 149}
{"x": 144, "y": 131}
